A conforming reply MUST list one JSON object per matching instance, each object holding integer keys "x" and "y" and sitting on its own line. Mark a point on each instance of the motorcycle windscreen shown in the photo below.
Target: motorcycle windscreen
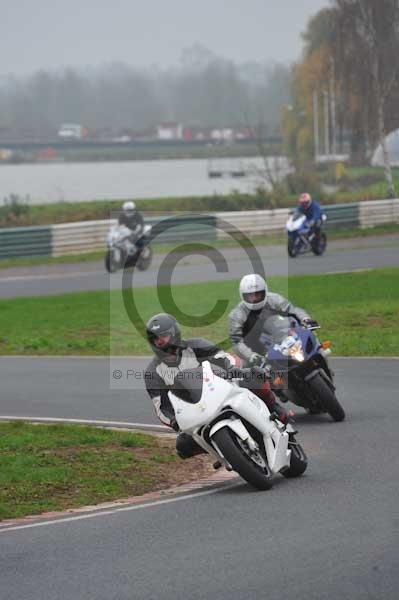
{"x": 188, "y": 385}
{"x": 275, "y": 329}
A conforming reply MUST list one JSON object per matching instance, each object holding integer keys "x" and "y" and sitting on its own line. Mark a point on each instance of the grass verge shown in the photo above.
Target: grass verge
{"x": 258, "y": 240}
{"x": 358, "y": 312}
{"x": 56, "y": 467}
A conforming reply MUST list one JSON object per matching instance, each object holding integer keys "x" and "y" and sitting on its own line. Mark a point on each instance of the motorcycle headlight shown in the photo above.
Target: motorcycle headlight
{"x": 295, "y": 351}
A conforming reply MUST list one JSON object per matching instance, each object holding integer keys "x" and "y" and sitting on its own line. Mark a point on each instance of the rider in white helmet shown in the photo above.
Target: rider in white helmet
{"x": 132, "y": 219}
{"x": 247, "y": 319}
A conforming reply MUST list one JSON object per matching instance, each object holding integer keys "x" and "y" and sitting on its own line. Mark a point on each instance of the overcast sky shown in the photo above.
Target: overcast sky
{"x": 47, "y": 34}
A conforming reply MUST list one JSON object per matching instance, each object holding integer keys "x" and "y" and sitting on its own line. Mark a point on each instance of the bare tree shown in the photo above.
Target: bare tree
{"x": 375, "y": 23}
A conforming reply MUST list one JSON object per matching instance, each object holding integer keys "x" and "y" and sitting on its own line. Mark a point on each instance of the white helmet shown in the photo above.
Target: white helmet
{"x": 129, "y": 207}
{"x": 249, "y": 285}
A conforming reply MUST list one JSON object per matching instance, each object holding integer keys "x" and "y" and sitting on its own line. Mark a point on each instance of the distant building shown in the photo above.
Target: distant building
{"x": 222, "y": 135}
{"x": 72, "y": 131}
{"x": 170, "y": 130}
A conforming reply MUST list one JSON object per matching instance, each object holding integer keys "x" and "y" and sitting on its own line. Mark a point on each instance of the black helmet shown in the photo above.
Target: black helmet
{"x": 164, "y": 336}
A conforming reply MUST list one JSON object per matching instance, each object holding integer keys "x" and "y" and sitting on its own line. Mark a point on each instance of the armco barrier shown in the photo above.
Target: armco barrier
{"x": 25, "y": 241}
{"x": 183, "y": 228}
{"x": 88, "y": 236}
{"x": 252, "y": 222}
{"x": 73, "y": 238}
{"x": 342, "y": 216}
{"x": 378, "y": 212}
{"x": 258, "y": 222}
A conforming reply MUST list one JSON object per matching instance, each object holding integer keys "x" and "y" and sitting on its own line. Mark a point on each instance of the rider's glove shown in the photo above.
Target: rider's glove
{"x": 174, "y": 425}
{"x": 306, "y": 321}
{"x": 309, "y": 322}
{"x": 264, "y": 373}
{"x": 256, "y": 359}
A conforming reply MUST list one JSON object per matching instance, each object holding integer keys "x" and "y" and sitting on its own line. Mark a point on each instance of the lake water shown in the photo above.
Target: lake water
{"x": 54, "y": 182}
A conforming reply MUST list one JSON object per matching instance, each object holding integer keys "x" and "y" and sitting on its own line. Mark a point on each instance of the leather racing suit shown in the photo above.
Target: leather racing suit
{"x": 160, "y": 377}
{"x": 246, "y": 326}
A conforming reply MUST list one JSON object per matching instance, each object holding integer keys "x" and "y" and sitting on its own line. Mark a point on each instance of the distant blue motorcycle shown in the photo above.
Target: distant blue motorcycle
{"x": 299, "y": 361}
{"x": 303, "y": 238}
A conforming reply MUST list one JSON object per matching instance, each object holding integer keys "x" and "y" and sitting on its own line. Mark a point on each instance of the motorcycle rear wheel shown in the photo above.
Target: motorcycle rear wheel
{"x": 241, "y": 462}
{"x": 320, "y": 244}
{"x": 326, "y": 398}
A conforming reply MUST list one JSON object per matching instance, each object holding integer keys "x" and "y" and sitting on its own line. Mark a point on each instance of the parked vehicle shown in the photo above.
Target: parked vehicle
{"x": 300, "y": 361}
{"x": 235, "y": 427}
{"x": 123, "y": 252}
{"x": 302, "y": 238}
{"x": 72, "y": 131}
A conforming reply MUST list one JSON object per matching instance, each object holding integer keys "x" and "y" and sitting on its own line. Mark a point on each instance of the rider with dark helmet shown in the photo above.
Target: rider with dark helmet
{"x": 173, "y": 355}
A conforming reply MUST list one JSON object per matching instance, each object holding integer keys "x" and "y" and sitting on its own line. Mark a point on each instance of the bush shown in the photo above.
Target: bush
{"x": 303, "y": 181}
{"x": 15, "y": 207}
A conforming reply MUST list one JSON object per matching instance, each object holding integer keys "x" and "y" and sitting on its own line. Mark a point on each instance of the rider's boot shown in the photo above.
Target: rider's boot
{"x": 269, "y": 398}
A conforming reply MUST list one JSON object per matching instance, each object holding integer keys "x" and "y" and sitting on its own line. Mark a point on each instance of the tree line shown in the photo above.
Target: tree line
{"x": 349, "y": 74}
{"x": 204, "y": 90}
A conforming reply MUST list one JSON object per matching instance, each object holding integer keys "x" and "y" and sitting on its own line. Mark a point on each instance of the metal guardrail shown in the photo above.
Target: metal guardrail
{"x": 25, "y": 241}
{"x": 253, "y": 222}
{"x": 342, "y": 216}
{"x": 87, "y": 236}
{"x": 380, "y": 212}
{"x": 183, "y": 228}
{"x": 76, "y": 238}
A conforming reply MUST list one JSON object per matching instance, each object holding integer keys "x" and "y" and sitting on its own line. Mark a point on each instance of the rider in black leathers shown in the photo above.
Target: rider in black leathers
{"x": 133, "y": 220}
{"x": 173, "y": 355}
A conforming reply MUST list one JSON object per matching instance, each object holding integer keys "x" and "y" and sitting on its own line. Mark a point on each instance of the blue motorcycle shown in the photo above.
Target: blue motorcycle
{"x": 299, "y": 362}
{"x": 302, "y": 238}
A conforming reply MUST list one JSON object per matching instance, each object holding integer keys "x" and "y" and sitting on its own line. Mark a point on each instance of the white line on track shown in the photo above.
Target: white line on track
{"x": 117, "y": 510}
{"x": 48, "y": 276}
{"x": 145, "y": 426}
{"x": 362, "y": 270}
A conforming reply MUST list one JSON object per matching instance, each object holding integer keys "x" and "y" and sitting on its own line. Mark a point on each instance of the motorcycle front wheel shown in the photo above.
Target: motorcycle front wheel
{"x": 110, "y": 264}
{"x": 292, "y": 247}
{"x": 240, "y": 459}
{"x": 326, "y": 397}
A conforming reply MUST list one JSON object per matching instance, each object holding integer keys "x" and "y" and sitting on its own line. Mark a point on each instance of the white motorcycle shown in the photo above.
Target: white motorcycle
{"x": 122, "y": 252}
{"x": 235, "y": 427}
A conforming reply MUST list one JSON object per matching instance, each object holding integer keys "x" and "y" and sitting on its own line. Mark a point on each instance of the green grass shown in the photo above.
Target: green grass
{"x": 358, "y": 312}
{"x": 54, "y": 467}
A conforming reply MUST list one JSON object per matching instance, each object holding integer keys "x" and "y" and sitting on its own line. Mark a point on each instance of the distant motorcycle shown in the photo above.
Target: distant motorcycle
{"x": 302, "y": 238}
{"x": 123, "y": 252}
{"x": 235, "y": 427}
{"x": 300, "y": 362}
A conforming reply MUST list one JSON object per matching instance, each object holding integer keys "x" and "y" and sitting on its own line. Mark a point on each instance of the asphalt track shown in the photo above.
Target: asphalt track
{"x": 342, "y": 255}
{"x": 334, "y": 533}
